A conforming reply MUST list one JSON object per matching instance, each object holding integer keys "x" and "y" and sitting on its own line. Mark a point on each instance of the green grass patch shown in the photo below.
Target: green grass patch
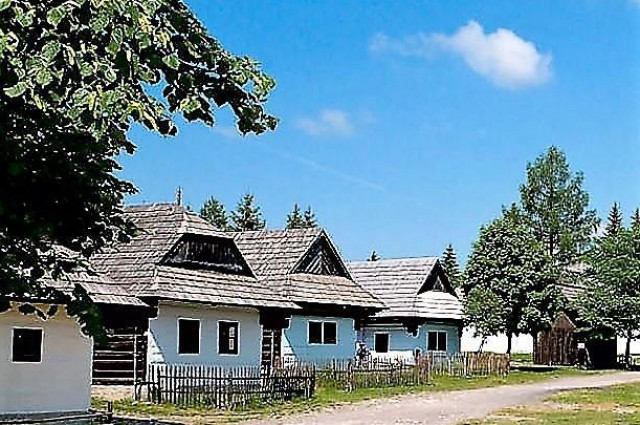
{"x": 619, "y": 405}
{"x": 522, "y": 357}
{"x": 325, "y": 397}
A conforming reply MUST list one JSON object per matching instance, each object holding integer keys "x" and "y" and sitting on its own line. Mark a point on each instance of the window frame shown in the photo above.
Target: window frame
{"x": 32, "y": 328}
{"x": 375, "y": 342}
{"x": 446, "y": 340}
{"x": 237, "y": 337}
{"x": 322, "y": 339}
{"x": 199, "y": 335}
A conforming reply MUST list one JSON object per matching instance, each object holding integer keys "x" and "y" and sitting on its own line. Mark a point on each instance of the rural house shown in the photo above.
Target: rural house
{"x": 304, "y": 266}
{"x": 45, "y": 365}
{"x": 423, "y": 312}
{"x": 211, "y": 309}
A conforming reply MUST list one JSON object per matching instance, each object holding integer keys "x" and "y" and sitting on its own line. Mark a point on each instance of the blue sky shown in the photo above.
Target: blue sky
{"x": 406, "y": 125}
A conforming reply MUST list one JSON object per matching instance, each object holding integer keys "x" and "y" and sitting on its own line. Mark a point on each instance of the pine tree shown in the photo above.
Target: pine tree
{"x": 295, "y": 220}
{"x": 509, "y": 262}
{"x": 557, "y": 207}
{"x": 635, "y": 221}
{"x": 247, "y": 215}
{"x": 614, "y": 225}
{"x": 374, "y": 256}
{"x": 451, "y": 266}
{"x": 310, "y": 218}
{"x": 213, "y": 211}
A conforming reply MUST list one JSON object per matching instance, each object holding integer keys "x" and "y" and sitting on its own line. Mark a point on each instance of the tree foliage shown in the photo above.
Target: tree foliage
{"x": 75, "y": 76}
{"x": 508, "y": 261}
{"x": 247, "y": 215}
{"x": 614, "y": 221}
{"x": 310, "y": 218}
{"x": 451, "y": 266}
{"x": 295, "y": 219}
{"x": 557, "y": 207}
{"x": 612, "y": 297}
{"x": 213, "y": 211}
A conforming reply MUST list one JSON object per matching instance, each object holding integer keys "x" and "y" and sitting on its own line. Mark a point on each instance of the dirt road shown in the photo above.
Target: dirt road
{"x": 448, "y": 408}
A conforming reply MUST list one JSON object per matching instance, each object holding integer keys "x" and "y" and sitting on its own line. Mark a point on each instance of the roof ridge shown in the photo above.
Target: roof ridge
{"x": 382, "y": 260}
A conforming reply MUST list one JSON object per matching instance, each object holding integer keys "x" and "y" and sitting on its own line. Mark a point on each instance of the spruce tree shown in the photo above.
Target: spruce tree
{"x": 295, "y": 220}
{"x": 635, "y": 220}
{"x": 374, "y": 256}
{"x": 614, "y": 224}
{"x": 310, "y": 218}
{"x": 247, "y": 215}
{"x": 451, "y": 266}
{"x": 213, "y": 211}
{"x": 557, "y": 207}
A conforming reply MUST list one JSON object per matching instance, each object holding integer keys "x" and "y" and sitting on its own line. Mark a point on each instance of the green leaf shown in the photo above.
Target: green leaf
{"x": 171, "y": 61}
{"x": 24, "y": 18}
{"x": 50, "y": 50}
{"x": 55, "y": 15}
{"x": 17, "y": 90}
{"x": 4, "y": 4}
{"x": 43, "y": 77}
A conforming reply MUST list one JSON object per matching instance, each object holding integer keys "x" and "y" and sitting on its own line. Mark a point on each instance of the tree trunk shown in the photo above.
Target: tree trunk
{"x": 627, "y": 350}
{"x": 509, "y": 337}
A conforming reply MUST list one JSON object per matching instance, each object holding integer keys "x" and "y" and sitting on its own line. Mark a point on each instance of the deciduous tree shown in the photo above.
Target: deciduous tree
{"x": 508, "y": 261}
{"x": 75, "y": 76}
{"x": 557, "y": 207}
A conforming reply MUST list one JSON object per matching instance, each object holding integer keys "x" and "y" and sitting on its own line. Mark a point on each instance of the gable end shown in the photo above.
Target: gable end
{"x": 321, "y": 259}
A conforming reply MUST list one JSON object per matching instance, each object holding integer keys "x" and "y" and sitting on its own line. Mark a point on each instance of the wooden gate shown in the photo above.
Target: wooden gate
{"x": 122, "y": 359}
{"x": 271, "y": 346}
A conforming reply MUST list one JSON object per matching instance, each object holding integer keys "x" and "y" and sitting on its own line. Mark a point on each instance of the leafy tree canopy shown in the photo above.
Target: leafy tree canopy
{"x": 451, "y": 266}
{"x": 508, "y": 261}
{"x": 612, "y": 297}
{"x": 213, "y": 211}
{"x": 557, "y": 207}
{"x": 247, "y": 215}
{"x": 75, "y": 76}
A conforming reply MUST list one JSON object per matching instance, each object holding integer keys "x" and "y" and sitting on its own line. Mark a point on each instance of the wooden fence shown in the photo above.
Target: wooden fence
{"x": 122, "y": 359}
{"x": 193, "y": 385}
{"x": 468, "y": 364}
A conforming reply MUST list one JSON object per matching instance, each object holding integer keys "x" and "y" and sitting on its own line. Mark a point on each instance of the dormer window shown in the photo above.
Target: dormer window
{"x": 207, "y": 252}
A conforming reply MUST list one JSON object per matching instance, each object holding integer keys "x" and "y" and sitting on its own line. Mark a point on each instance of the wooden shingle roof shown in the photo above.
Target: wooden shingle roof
{"x": 277, "y": 256}
{"x": 138, "y": 265}
{"x": 403, "y": 285}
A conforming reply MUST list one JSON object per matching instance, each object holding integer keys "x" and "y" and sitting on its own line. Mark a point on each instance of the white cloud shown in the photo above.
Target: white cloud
{"x": 502, "y": 57}
{"x": 331, "y": 122}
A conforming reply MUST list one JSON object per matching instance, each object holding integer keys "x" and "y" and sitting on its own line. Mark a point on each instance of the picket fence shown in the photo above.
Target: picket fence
{"x": 195, "y": 385}
{"x": 224, "y": 388}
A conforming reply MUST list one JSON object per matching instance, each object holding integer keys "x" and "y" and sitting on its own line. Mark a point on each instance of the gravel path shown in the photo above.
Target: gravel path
{"x": 448, "y": 408}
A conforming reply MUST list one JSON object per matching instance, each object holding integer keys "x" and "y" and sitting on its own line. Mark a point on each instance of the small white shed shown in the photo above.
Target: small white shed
{"x": 45, "y": 366}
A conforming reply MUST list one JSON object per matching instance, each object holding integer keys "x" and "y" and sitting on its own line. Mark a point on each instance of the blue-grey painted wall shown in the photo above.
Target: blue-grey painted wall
{"x": 295, "y": 340}
{"x": 403, "y": 344}
{"x": 163, "y": 335}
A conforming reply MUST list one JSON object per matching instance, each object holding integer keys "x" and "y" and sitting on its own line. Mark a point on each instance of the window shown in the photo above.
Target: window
{"x": 437, "y": 341}
{"x": 323, "y": 332}
{"x": 330, "y": 333}
{"x": 27, "y": 345}
{"x": 227, "y": 337}
{"x": 381, "y": 342}
{"x": 188, "y": 336}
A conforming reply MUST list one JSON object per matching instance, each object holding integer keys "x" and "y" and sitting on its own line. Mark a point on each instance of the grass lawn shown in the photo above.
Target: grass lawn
{"x": 619, "y": 405}
{"x": 325, "y": 397}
